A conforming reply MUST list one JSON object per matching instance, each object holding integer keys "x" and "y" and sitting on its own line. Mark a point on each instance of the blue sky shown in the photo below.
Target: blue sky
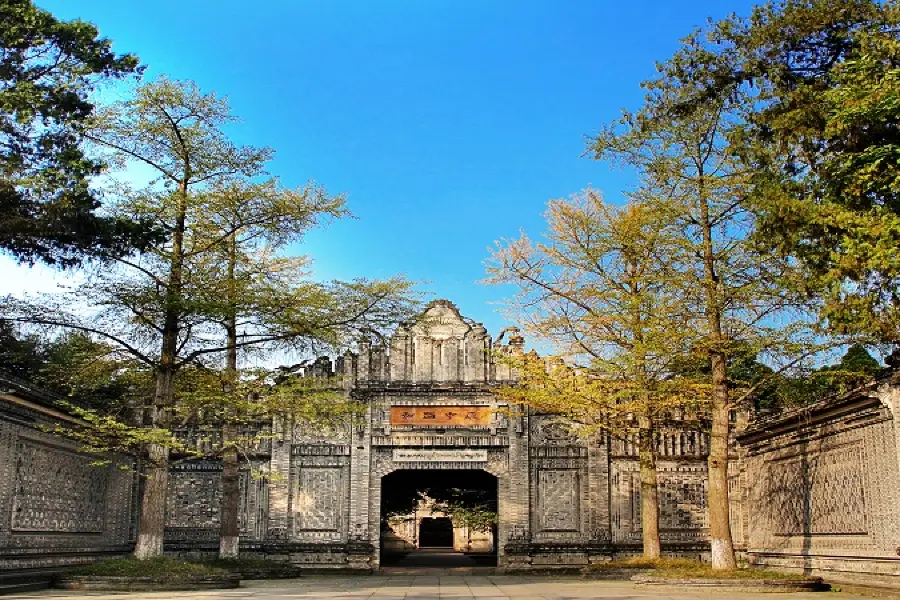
{"x": 449, "y": 124}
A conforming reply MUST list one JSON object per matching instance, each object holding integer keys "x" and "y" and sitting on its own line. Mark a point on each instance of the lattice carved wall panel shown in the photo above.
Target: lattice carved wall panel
{"x": 558, "y": 500}
{"x": 319, "y": 499}
{"x": 57, "y": 491}
{"x": 195, "y": 496}
{"x": 684, "y": 513}
{"x": 682, "y": 502}
{"x": 818, "y": 494}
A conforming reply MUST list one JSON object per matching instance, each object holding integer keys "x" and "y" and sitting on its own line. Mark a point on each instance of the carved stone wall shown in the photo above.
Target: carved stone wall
{"x": 57, "y": 508}
{"x": 824, "y": 487}
{"x": 683, "y": 514}
{"x": 816, "y": 489}
{"x": 194, "y": 498}
{"x": 320, "y": 477}
{"x": 559, "y": 474}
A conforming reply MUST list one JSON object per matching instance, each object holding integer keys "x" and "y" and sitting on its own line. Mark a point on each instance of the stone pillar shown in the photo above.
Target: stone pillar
{"x": 378, "y": 363}
{"x": 501, "y": 370}
{"x": 348, "y": 370}
{"x": 598, "y": 492}
{"x": 437, "y": 362}
{"x": 450, "y": 359}
{"x": 399, "y": 358}
{"x": 280, "y": 483}
{"x": 364, "y": 362}
{"x": 423, "y": 372}
{"x": 516, "y": 491}
{"x": 363, "y": 549}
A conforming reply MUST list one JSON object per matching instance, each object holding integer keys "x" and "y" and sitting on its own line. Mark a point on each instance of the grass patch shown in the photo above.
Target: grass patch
{"x": 682, "y": 568}
{"x": 159, "y": 567}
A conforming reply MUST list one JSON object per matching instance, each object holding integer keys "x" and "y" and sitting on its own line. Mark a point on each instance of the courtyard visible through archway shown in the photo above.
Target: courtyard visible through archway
{"x": 439, "y": 517}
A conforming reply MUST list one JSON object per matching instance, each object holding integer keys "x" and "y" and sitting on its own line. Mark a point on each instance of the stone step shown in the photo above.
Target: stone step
{"x": 20, "y": 587}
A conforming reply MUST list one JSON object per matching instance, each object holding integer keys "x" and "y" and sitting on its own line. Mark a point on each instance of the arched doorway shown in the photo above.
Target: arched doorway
{"x": 439, "y": 517}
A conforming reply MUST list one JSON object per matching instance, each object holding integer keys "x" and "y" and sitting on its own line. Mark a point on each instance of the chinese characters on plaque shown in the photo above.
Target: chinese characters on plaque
{"x": 442, "y": 416}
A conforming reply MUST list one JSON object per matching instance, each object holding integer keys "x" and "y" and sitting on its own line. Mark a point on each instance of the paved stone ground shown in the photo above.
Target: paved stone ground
{"x": 439, "y": 587}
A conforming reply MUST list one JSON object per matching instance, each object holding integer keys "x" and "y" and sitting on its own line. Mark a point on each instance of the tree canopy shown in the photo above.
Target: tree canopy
{"x": 48, "y": 70}
{"x": 819, "y": 81}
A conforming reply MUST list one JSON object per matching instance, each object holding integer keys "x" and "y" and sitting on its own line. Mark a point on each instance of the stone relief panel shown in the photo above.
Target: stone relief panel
{"x": 194, "y": 497}
{"x": 559, "y": 508}
{"x": 819, "y": 495}
{"x": 558, "y": 488}
{"x": 310, "y": 433}
{"x": 57, "y": 491}
{"x": 254, "y": 503}
{"x": 549, "y": 431}
{"x": 320, "y": 477}
{"x": 682, "y": 498}
{"x": 320, "y": 498}
{"x": 55, "y": 507}
{"x": 833, "y": 489}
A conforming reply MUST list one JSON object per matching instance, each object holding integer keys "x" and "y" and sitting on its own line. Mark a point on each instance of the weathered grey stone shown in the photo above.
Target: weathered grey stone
{"x": 815, "y": 490}
{"x": 56, "y": 508}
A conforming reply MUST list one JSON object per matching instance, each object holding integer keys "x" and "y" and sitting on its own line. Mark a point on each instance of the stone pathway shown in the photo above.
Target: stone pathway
{"x": 440, "y": 587}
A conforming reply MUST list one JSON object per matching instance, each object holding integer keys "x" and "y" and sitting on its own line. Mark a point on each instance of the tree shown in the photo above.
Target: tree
{"x": 245, "y": 223}
{"x": 20, "y": 355}
{"x": 48, "y": 212}
{"x": 601, "y": 287}
{"x": 176, "y": 131}
{"x": 744, "y": 292}
{"x": 87, "y": 373}
{"x": 821, "y": 81}
{"x": 166, "y": 306}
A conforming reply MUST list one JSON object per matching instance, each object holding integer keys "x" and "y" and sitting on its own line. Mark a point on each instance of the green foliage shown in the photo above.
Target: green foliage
{"x": 20, "y": 355}
{"x": 477, "y": 517}
{"x": 73, "y": 366}
{"x": 820, "y": 83}
{"x": 855, "y": 368}
{"x": 603, "y": 288}
{"x": 858, "y": 360}
{"x": 248, "y": 401}
{"x": 49, "y": 68}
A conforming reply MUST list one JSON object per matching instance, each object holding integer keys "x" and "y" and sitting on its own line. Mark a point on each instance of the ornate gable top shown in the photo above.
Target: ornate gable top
{"x": 441, "y": 320}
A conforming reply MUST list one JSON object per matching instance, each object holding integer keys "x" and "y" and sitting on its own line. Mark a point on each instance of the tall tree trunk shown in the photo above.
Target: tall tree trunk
{"x": 649, "y": 490}
{"x": 156, "y": 475}
{"x": 153, "y": 503}
{"x": 229, "y": 513}
{"x": 721, "y": 544}
{"x": 229, "y": 530}
{"x": 152, "y": 520}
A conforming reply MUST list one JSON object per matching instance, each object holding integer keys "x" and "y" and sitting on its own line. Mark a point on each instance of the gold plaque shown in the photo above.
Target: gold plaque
{"x": 441, "y": 416}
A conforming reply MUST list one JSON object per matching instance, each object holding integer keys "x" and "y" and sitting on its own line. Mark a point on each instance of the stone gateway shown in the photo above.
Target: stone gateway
{"x": 430, "y": 408}
{"x": 813, "y": 490}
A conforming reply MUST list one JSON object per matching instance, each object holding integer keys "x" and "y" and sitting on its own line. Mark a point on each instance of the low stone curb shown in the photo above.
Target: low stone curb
{"x": 96, "y": 583}
{"x": 270, "y": 573}
{"x": 806, "y": 584}
{"x": 613, "y": 573}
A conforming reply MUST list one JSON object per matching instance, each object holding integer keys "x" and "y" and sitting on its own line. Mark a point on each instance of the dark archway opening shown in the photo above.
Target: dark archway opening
{"x": 436, "y": 532}
{"x": 439, "y": 517}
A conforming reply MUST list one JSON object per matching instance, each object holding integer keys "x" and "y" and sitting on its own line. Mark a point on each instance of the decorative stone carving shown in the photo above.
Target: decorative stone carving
{"x": 822, "y": 494}
{"x": 57, "y": 491}
{"x": 558, "y": 505}
{"x": 320, "y": 498}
